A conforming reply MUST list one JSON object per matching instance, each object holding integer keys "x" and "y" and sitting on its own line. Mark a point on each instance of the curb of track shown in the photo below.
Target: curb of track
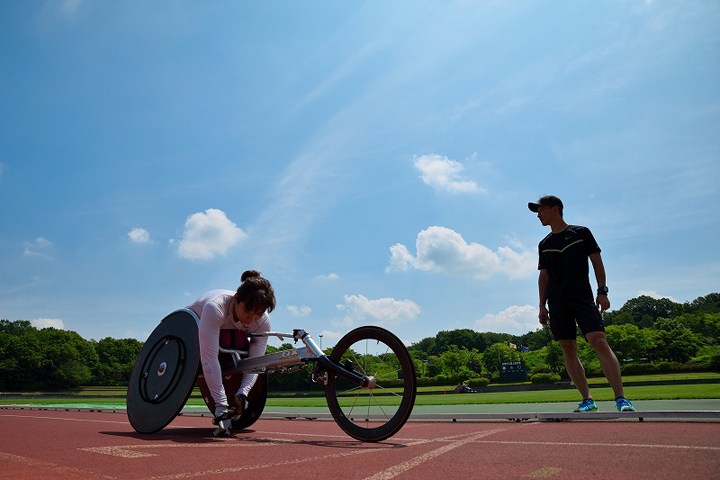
{"x": 707, "y": 415}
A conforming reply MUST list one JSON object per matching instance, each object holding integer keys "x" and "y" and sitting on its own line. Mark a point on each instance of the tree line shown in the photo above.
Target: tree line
{"x": 49, "y": 358}
{"x": 644, "y": 332}
{"x": 647, "y": 335}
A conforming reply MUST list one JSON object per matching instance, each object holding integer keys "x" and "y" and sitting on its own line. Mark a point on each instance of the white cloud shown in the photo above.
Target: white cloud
{"x": 443, "y": 173}
{"x": 656, "y": 295}
{"x": 359, "y": 307}
{"x": 296, "y": 311}
{"x": 41, "y": 323}
{"x": 516, "y": 320}
{"x": 139, "y": 236}
{"x": 208, "y": 235}
{"x": 331, "y": 335}
{"x": 442, "y": 250}
{"x": 38, "y": 248}
{"x": 330, "y": 276}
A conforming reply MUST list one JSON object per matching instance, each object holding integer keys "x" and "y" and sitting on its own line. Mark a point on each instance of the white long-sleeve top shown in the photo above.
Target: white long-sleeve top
{"x": 215, "y": 312}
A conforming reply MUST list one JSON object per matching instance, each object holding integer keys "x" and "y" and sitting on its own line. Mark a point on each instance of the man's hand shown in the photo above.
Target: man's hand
{"x": 602, "y": 302}
{"x": 222, "y": 420}
{"x": 544, "y": 316}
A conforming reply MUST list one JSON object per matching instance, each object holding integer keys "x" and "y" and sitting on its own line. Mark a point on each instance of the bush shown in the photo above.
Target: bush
{"x": 715, "y": 362}
{"x": 439, "y": 380}
{"x": 478, "y": 382}
{"x": 545, "y": 378}
{"x": 539, "y": 369}
{"x": 664, "y": 367}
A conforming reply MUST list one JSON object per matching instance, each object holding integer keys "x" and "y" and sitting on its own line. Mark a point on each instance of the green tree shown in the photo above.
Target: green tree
{"x": 116, "y": 359}
{"x": 554, "y": 358}
{"x": 706, "y": 325}
{"x": 424, "y": 347}
{"x": 643, "y": 311}
{"x": 708, "y": 304}
{"x": 21, "y": 361}
{"x": 462, "y": 338}
{"x": 16, "y": 328}
{"x": 674, "y": 341}
{"x": 496, "y": 353}
{"x": 629, "y": 341}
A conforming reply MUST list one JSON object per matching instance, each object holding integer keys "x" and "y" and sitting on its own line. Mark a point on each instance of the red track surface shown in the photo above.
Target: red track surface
{"x": 51, "y": 444}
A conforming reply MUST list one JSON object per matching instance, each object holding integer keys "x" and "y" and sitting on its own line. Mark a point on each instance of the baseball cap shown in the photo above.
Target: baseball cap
{"x": 548, "y": 201}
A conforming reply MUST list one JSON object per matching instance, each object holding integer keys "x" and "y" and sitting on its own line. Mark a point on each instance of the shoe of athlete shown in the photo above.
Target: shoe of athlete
{"x": 587, "y": 405}
{"x": 624, "y": 405}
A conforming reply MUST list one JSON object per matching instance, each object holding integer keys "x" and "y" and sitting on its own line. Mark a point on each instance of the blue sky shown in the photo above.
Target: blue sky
{"x": 373, "y": 159}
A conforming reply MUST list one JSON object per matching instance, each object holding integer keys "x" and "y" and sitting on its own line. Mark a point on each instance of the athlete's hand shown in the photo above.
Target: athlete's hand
{"x": 544, "y": 316}
{"x": 222, "y": 420}
{"x": 602, "y": 302}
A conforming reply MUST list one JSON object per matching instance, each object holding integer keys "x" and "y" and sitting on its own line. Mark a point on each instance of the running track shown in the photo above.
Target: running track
{"x": 84, "y": 445}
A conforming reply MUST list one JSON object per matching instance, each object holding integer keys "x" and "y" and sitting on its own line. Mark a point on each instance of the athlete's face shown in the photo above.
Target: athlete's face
{"x": 547, "y": 214}
{"x": 243, "y": 316}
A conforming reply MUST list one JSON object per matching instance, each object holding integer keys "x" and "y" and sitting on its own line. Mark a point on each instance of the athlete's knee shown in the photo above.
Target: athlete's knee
{"x": 598, "y": 341}
{"x": 569, "y": 347}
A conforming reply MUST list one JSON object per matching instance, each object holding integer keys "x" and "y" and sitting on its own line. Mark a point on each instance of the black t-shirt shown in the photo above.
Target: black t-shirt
{"x": 565, "y": 256}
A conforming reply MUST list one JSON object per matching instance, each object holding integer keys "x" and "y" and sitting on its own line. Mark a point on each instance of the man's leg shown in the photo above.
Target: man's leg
{"x": 608, "y": 361}
{"x": 574, "y": 367}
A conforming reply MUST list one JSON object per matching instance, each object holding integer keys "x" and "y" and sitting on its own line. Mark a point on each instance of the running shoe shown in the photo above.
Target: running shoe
{"x": 587, "y": 405}
{"x": 624, "y": 405}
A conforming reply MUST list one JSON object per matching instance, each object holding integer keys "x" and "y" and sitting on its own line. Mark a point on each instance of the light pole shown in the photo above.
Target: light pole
{"x": 320, "y": 341}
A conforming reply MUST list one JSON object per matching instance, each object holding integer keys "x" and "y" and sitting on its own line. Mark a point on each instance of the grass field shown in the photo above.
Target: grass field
{"x": 600, "y": 391}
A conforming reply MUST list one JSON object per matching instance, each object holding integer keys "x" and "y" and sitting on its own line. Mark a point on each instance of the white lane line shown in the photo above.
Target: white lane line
{"x": 414, "y": 462}
{"x": 586, "y": 444}
{"x": 58, "y": 469}
{"x": 129, "y": 451}
{"x": 37, "y": 417}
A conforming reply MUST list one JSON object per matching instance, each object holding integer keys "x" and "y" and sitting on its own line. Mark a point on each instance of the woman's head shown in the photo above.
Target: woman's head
{"x": 255, "y": 293}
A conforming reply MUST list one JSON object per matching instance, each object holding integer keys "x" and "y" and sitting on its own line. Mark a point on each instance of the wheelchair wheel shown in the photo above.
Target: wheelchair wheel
{"x": 378, "y": 412}
{"x": 257, "y": 398}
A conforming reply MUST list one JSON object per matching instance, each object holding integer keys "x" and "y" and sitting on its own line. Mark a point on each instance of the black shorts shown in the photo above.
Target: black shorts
{"x": 565, "y": 315}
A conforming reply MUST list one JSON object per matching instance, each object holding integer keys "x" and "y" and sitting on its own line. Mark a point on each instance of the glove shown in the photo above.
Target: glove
{"x": 222, "y": 420}
{"x": 242, "y": 404}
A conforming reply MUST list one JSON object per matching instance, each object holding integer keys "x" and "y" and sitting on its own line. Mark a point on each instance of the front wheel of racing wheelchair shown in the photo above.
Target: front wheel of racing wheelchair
{"x": 377, "y": 410}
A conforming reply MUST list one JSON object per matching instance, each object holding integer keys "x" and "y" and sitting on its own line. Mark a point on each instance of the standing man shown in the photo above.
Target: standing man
{"x": 565, "y": 289}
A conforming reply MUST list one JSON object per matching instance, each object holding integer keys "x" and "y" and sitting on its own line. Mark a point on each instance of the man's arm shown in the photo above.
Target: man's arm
{"x": 542, "y": 288}
{"x": 601, "y": 300}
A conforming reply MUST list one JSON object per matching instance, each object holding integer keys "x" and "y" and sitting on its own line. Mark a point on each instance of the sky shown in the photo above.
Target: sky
{"x": 373, "y": 159}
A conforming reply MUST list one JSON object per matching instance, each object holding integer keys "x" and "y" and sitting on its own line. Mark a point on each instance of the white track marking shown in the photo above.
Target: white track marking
{"x": 37, "y": 417}
{"x": 414, "y": 462}
{"x": 59, "y": 469}
{"x": 543, "y": 472}
{"x": 129, "y": 451}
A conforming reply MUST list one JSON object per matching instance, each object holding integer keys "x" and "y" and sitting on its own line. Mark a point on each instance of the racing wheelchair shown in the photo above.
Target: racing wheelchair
{"x": 369, "y": 377}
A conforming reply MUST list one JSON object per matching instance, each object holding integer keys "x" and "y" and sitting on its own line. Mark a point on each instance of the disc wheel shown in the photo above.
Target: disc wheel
{"x": 377, "y": 412}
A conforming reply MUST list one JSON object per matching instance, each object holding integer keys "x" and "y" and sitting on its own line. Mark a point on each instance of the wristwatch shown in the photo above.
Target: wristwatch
{"x": 603, "y": 290}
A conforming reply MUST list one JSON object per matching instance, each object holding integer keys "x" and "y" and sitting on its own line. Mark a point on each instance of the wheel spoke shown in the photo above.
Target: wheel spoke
{"x": 388, "y": 373}
{"x": 380, "y": 406}
{"x": 357, "y": 387}
{"x": 353, "y": 405}
{"x": 389, "y": 391}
